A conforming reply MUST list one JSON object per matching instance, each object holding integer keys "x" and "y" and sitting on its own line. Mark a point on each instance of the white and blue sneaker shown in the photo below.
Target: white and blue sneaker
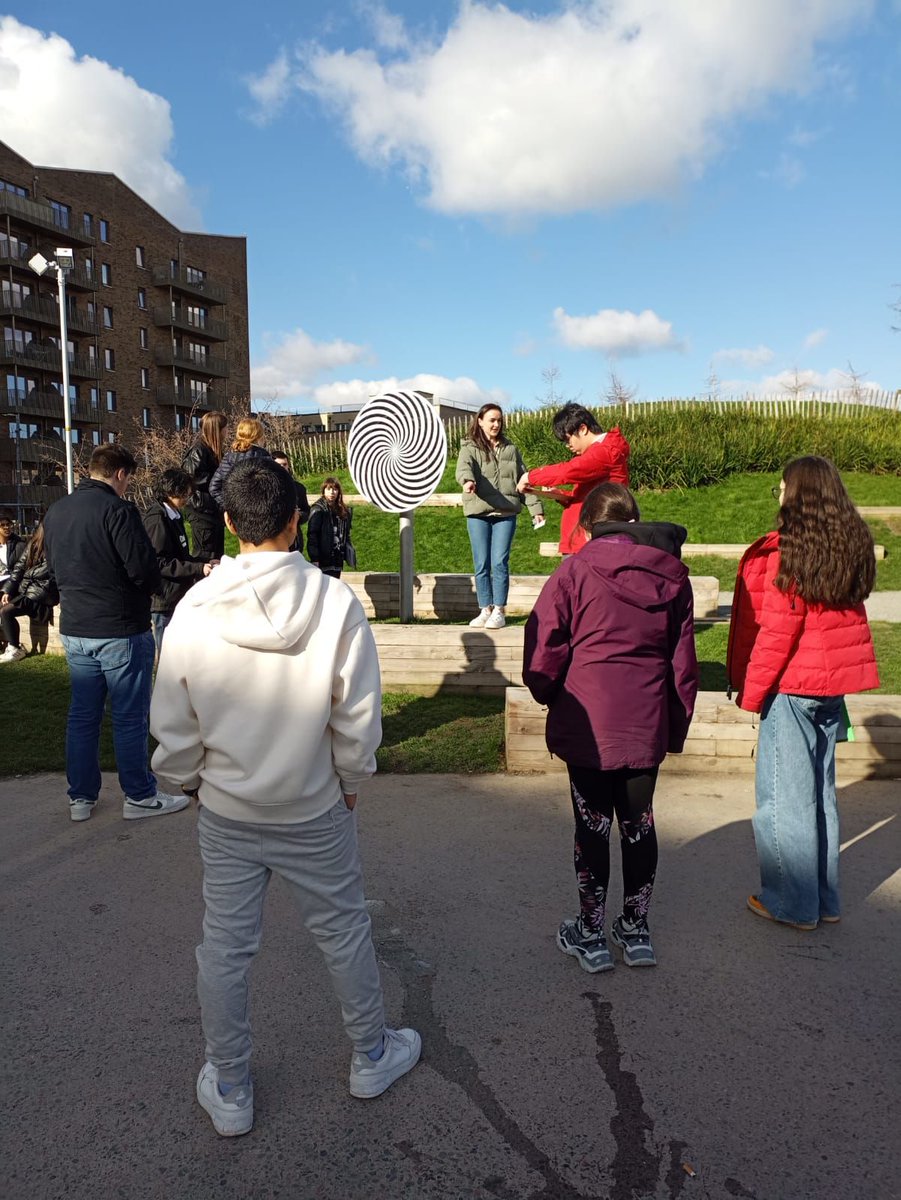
{"x": 401, "y": 1049}
{"x": 635, "y": 942}
{"x": 80, "y": 809}
{"x": 591, "y": 950}
{"x": 231, "y": 1115}
{"x": 153, "y": 806}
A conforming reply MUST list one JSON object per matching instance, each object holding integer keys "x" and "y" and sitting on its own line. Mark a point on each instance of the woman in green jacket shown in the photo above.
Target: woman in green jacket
{"x": 488, "y": 469}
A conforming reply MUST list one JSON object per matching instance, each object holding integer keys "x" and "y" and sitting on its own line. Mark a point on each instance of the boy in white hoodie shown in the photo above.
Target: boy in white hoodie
{"x": 267, "y": 708}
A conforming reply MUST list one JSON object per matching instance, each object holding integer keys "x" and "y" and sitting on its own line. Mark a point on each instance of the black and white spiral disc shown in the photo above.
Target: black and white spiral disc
{"x": 397, "y": 451}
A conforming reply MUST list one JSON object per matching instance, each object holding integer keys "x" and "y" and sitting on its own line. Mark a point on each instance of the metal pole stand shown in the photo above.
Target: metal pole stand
{"x": 406, "y": 567}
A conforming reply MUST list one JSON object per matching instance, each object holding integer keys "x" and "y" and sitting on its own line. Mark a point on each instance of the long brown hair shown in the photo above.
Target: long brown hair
{"x": 339, "y": 506}
{"x": 212, "y": 433}
{"x": 247, "y": 434}
{"x": 477, "y": 434}
{"x": 35, "y": 551}
{"x": 825, "y": 547}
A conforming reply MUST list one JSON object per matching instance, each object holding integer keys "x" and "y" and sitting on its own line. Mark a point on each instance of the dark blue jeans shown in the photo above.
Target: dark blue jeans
{"x": 121, "y": 668}
{"x": 490, "y": 538}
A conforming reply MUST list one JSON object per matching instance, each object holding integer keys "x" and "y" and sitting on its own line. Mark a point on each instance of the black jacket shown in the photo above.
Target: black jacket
{"x": 303, "y": 507}
{"x": 328, "y": 537}
{"x": 15, "y": 549}
{"x": 102, "y": 561}
{"x": 201, "y": 464}
{"x": 177, "y": 567}
{"x": 33, "y": 589}
{"x": 662, "y": 535}
{"x": 229, "y": 461}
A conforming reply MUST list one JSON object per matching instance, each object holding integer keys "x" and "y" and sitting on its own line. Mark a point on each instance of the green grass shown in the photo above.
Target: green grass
{"x": 448, "y": 733}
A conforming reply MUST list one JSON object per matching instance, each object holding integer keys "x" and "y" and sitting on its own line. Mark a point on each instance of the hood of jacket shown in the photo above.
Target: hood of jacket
{"x": 662, "y": 535}
{"x": 264, "y": 601}
{"x": 639, "y": 575}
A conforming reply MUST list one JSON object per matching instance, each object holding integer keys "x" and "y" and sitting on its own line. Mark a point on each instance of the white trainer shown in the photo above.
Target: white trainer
{"x": 497, "y": 620}
{"x": 400, "y": 1055}
{"x": 481, "y": 620}
{"x": 231, "y": 1115}
{"x": 81, "y": 810}
{"x": 153, "y": 806}
{"x": 13, "y": 654}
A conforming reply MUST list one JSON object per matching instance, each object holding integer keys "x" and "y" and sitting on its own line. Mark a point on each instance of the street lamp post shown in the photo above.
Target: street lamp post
{"x": 65, "y": 260}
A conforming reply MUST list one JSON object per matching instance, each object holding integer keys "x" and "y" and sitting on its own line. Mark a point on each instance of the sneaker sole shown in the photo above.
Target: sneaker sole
{"x": 760, "y": 911}
{"x": 591, "y": 968}
{"x": 230, "y": 1128}
{"x": 361, "y": 1090}
{"x": 81, "y": 814}
{"x": 640, "y": 962}
{"x": 136, "y": 813}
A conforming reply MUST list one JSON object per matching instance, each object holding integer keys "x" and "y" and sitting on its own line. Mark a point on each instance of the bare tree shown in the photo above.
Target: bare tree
{"x": 854, "y": 384}
{"x": 796, "y": 386}
{"x": 617, "y": 392}
{"x": 713, "y": 382}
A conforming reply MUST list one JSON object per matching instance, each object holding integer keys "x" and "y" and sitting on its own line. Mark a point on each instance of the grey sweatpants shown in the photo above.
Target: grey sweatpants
{"x": 320, "y": 861}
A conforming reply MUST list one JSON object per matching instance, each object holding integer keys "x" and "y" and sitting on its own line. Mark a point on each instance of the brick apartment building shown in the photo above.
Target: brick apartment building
{"x": 157, "y": 322}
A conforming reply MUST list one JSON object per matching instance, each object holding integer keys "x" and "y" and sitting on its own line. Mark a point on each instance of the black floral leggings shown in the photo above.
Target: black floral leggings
{"x": 596, "y": 796}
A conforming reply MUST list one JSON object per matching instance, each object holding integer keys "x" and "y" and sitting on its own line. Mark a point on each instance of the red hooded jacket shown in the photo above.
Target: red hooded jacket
{"x": 605, "y": 461}
{"x": 780, "y": 643}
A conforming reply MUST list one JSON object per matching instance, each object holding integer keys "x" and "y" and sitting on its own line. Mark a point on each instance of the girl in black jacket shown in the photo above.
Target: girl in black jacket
{"x": 328, "y": 533}
{"x": 201, "y": 463}
{"x": 244, "y": 448}
{"x": 166, "y": 530}
{"x": 30, "y": 591}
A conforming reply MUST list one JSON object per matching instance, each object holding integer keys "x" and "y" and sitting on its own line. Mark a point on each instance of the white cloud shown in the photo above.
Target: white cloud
{"x": 293, "y": 361}
{"x": 461, "y": 390}
{"x": 63, "y": 111}
{"x": 816, "y": 338}
{"x": 600, "y": 103}
{"x": 784, "y": 383}
{"x": 269, "y": 90}
{"x": 616, "y": 333}
{"x": 759, "y": 356}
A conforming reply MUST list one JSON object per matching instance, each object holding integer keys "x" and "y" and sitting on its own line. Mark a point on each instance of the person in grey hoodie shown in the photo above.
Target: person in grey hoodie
{"x": 609, "y": 648}
{"x": 263, "y": 647}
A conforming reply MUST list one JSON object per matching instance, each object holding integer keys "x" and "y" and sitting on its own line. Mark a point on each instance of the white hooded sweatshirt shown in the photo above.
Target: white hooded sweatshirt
{"x": 268, "y": 694}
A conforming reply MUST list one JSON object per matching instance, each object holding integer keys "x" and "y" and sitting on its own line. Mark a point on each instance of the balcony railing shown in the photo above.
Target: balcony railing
{"x": 167, "y": 318}
{"x": 186, "y": 281}
{"x": 44, "y": 312}
{"x": 202, "y": 402}
{"x": 46, "y": 404}
{"x": 199, "y": 364}
{"x": 47, "y": 358}
{"x": 41, "y": 216}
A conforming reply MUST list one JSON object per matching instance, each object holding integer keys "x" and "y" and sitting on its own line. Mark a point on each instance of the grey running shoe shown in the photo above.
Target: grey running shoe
{"x": 635, "y": 942}
{"x": 591, "y": 952}
{"x": 400, "y": 1054}
{"x": 153, "y": 806}
{"x": 231, "y": 1115}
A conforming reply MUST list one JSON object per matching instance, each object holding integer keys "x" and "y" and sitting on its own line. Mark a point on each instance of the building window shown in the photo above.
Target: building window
{"x": 88, "y": 225}
{"x": 95, "y": 397}
{"x": 12, "y": 246}
{"x": 89, "y": 268}
{"x": 12, "y": 187}
{"x": 181, "y": 419}
{"x": 109, "y": 359}
{"x": 107, "y": 316}
{"x": 142, "y": 297}
{"x": 139, "y": 256}
{"x": 95, "y": 436}
{"x": 110, "y": 437}
{"x": 195, "y": 423}
{"x": 198, "y": 391}
{"x": 173, "y": 268}
{"x": 92, "y": 353}
{"x": 62, "y": 214}
{"x": 145, "y": 377}
{"x": 106, "y": 274}
{"x": 110, "y": 401}
{"x": 194, "y": 275}
{"x": 145, "y": 417}
{"x": 104, "y": 230}
{"x": 142, "y": 337}
{"x": 197, "y": 316}
{"x": 197, "y": 352}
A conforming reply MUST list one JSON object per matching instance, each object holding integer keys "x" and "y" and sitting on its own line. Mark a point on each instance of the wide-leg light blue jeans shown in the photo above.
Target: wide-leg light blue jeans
{"x": 121, "y": 668}
{"x": 796, "y": 824}
{"x": 491, "y": 538}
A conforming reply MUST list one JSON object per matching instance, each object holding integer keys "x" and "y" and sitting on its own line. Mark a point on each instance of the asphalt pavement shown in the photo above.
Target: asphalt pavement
{"x": 755, "y": 1061}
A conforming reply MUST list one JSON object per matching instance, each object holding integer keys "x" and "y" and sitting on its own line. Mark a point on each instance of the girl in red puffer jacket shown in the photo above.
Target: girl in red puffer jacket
{"x": 798, "y": 642}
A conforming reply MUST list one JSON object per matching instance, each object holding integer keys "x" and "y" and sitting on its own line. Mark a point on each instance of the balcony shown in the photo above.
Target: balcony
{"x": 46, "y": 404}
{"x": 178, "y": 318}
{"x": 198, "y": 364}
{"x": 44, "y": 312}
{"x": 41, "y": 216}
{"x": 204, "y": 402}
{"x": 47, "y": 358}
{"x": 180, "y": 280}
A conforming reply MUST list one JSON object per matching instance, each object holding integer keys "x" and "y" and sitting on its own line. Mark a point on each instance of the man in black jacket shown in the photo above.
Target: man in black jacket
{"x": 106, "y": 571}
{"x": 303, "y": 504}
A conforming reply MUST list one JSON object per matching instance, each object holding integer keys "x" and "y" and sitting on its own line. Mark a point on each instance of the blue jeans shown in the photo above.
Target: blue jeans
{"x": 796, "y": 825}
{"x": 121, "y": 668}
{"x": 159, "y": 621}
{"x": 490, "y": 538}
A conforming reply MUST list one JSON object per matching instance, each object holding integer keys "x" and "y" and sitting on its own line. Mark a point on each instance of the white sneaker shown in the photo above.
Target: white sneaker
{"x": 231, "y": 1115}
{"x": 154, "y": 806}
{"x": 481, "y": 620}
{"x": 13, "y": 654}
{"x": 400, "y": 1055}
{"x": 81, "y": 810}
{"x": 497, "y": 620}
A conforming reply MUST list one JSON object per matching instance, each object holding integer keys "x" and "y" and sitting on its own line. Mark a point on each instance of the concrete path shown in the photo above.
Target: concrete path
{"x": 881, "y": 606}
{"x": 766, "y": 1058}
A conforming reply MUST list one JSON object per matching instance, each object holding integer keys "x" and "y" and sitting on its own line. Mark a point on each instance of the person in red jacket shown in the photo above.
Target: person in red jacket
{"x": 599, "y": 457}
{"x": 798, "y": 642}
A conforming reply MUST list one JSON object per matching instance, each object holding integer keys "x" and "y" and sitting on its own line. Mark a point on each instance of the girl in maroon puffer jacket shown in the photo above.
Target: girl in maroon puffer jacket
{"x": 798, "y": 642}
{"x": 609, "y": 648}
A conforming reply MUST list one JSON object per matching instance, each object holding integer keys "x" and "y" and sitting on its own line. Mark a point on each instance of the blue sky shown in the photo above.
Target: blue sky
{"x": 463, "y": 200}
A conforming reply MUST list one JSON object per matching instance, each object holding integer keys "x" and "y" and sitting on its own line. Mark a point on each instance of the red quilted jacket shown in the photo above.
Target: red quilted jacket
{"x": 780, "y": 643}
{"x": 605, "y": 461}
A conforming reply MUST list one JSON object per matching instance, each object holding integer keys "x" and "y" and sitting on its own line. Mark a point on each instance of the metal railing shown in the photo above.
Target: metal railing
{"x": 46, "y": 404}
{"x": 167, "y": 318}
{"x": 44, "y": 312}
{"x": 47, "y": 358}
{"x": 202, "y": 364}
{"x": 42, "y": 216}
{"x": 203, "y": 402}
{"x": 186, "y": 281}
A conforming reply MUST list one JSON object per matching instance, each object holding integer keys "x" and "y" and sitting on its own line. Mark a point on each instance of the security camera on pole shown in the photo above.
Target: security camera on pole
{"x": 64, "y": 261}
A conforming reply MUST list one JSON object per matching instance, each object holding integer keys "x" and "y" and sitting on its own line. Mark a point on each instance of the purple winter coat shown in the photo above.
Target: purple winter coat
{"x": 610, "y": 649}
